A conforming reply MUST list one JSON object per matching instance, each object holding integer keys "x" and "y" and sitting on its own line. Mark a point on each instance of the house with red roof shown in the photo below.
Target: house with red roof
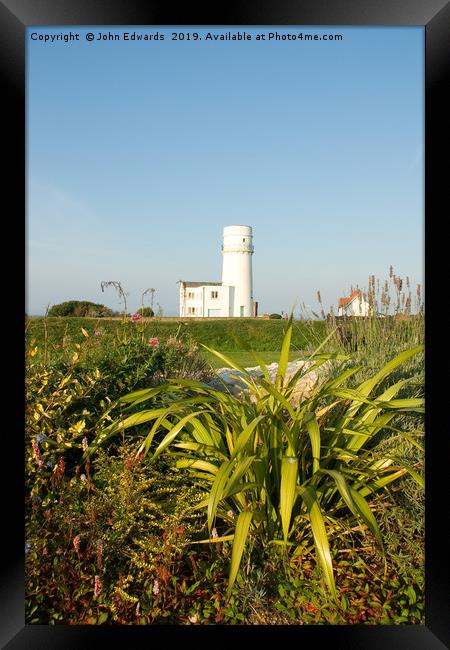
{"x": 353, "y": 305}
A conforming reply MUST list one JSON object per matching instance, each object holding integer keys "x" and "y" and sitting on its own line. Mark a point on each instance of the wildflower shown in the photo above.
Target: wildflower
{"x": 83, "y": 478}
{"x": 98, "y": 333}
{"x": 62, "y": 465}
{"x": 136, "y": 317}
{"x": 153, "y": 342}
{"x": 97, "y": 586}
{"x": 230, "y": 513}
{"x": 418, "y": 294}
{"x": 99, "y": 552}
{"x": 84, "y": 443}
{"x": 173, "y": 342}
{"x": 37, "y": 454}
{"x": 156, "y": 587}
{"x": 49, "y": 464}
{"x": 27, "y": 548}
{"x": 76, "y": 543}
{"x": 40, "y": 437}
{"x": 214, "y": 534}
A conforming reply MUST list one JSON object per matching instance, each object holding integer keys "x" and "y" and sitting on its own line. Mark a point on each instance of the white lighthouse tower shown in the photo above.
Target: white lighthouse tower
{"x": 237, "y": 251}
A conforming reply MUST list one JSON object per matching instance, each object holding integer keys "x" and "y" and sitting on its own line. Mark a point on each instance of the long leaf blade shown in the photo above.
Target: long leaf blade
{"x": 245, "y": 435}
{"x": 240, "y": 537}
{"x": 320, "y": 536}
{"x": 217, "y": 490}
{"x": 165, "y": 442}
{"x": 356, "y": 503}
{"x": 289, "y": 472}
{"x": 284, "y": 354}
{"x": 313, "y": 429}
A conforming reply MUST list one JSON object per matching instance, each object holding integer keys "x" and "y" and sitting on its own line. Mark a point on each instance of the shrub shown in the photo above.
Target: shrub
{"x": 182, "y": 360}
{"x": 146, "y": 312}
{"x": 68, "y": 397}
{"x": 80, "y": 308}
{"x": 113, "y": 528}
{"x": 273, "y": 316}
{"x": 63, "y": 405}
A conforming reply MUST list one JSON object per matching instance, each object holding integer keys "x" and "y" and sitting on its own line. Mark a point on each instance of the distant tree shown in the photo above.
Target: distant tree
{"x": 152, "y": 292}
{"x": 275, "y": 316}
{"x": 146, "y": 312}
{"x": 80, "y": 308}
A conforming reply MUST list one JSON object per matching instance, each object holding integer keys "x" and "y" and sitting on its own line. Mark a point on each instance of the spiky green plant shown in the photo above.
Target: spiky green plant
{"x": 287, "y": 472}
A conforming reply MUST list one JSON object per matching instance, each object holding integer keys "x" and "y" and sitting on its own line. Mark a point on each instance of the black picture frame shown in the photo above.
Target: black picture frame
{"x": 434, "y": 15}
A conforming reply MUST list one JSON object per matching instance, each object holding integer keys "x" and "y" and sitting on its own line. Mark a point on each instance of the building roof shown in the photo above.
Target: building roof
{"x": 201, "y": 284}
{"x": 343, "y": 302}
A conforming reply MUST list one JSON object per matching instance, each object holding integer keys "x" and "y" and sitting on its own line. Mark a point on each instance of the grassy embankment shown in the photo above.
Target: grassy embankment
{"x": 55, "y": 335}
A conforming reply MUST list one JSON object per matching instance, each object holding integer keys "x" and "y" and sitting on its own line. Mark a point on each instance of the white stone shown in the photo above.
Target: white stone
{"x": 304, "y": 387}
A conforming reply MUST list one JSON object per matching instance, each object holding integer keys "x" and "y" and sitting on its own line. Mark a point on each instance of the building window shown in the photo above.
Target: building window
{"x": 214, "y": 294}
{"x": 191, "y": 295}
{"x": 191, "y": 310}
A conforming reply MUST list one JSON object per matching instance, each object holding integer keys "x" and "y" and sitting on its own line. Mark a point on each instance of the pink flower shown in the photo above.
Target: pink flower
{"x": 136, "y": 317}
{"x": 84, "y": 443}
{"x": 37, "y": 453}
{"x": 97, "y": 586}
{"x": 76, "y": 543}
{"x": 214, "y": 534}
{"x": 62, "y": 465}
{"x": 98, "y": 333}
{"x": 153, "y": 342}
{"x": 156, "y": 587}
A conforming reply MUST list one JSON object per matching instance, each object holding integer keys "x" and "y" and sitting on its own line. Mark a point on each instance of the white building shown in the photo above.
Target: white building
{"x": 354, "y": 305}
{"x": 234, "y": 295}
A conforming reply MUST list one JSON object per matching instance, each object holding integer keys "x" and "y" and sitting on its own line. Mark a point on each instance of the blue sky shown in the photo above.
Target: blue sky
{"x": 139, "y": 153}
